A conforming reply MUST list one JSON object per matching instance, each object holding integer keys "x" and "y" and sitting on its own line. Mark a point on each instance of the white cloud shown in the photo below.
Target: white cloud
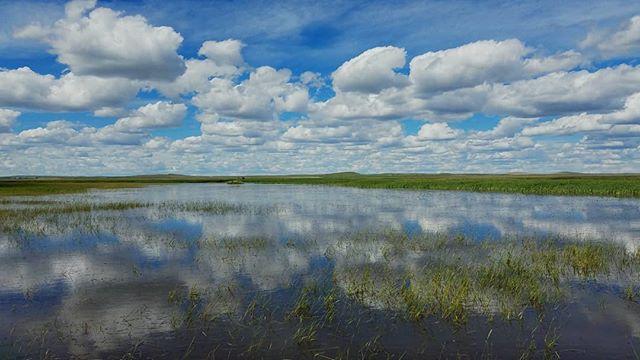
{"x": 372, "y": 71}
{"x": 23, "y": 88}
{"x": 507, "y": 127}
{"x": 437, "y": 131}
{"x": 74, "y": 9}
{"x": 68, "y": 134}
{"x": 563, "y": 61}
{"x": 625, "y": 41}
{"x": 156, "y": 115}
{"x": 222, "y": 59}
{"x": 361, "y": 132}
{"x": 266, "y": 93}
{"x": 508, "y": 145}
{"x": 566, "y": 92}
{"x": 567, "y": 125}
{"x": 593, "y": 122}
{"x": 105, "y": 43}
{"x": 226, "y": 52}
{"x": 468, "y": 65}
{"x": 7, "y": 119}
{"x": 359, "y": 128}
{"x": 312, "y": 79}
{"x": 58, "y": 132}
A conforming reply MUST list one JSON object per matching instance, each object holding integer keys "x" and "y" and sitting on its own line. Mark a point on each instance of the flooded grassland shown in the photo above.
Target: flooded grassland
{"x": 288, "y": 271}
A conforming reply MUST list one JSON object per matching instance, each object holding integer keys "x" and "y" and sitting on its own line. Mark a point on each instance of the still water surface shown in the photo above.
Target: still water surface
{"x": 136, "y": 282}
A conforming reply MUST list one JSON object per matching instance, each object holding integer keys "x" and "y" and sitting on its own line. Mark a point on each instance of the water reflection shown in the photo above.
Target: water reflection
{"x": 105, "y": 277}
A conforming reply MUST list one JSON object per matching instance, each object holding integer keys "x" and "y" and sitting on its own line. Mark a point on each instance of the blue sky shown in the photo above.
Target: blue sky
{"x": 253, "y": 87}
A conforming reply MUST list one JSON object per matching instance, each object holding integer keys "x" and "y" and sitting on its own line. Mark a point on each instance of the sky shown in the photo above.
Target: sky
{"x": 258, "y": 87}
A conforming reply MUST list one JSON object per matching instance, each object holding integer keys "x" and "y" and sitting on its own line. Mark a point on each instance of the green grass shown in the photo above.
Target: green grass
{"x": 557, "y": 184}
{"x": 459, "y": 277}
{"x": 623, "y": 185}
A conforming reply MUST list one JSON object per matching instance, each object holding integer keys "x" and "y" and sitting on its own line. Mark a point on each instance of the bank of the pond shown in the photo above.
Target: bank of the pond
{"x": 621, "y": 186}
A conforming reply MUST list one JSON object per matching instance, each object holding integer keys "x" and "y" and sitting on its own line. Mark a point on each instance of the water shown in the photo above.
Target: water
{"x": 169, "y": 283}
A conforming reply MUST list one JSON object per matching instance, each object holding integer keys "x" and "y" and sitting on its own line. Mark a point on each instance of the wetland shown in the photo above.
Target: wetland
{"x": 297, "y": 271}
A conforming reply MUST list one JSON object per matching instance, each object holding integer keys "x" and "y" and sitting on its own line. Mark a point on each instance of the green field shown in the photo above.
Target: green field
{"x": 569, "y": 184}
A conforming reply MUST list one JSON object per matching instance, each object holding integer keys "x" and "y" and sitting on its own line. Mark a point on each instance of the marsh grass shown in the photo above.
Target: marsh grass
{"x": 459, "y": 277}
{"x": 553, "y": 184}
{"x": 32, "y": 217}
{"x": 368, "y": 277}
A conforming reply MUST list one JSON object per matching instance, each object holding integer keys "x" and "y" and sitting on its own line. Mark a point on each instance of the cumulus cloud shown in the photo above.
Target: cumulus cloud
{"x": 156, "y": 115}
{"x": 391, "y": 103}
{"x": 226, "y": 52}
{"x": 564, "y": 92}
{"x": 107, "y": 43}
{"x": 7, "y": 119}
{"x": 363, "y": 132}
{"x": 593, "y": 122}
{"x": 223, "y": 59}
{"x": 312, "y": 79}
{"x": 266, "y": 93}
{"x": 567, "y": 125}
{"x": 468, "y": 65}
{"x": 563, "y": 61}
{"x": 506, "y": 127}
{"x": 69, "y": 134}
{"x": 437, "y": 131}
{"x": 372, "y": 71}
{"x": 273, "y": 120}
{"x": 623, "y": 42}
{"x": 24, "y": 88}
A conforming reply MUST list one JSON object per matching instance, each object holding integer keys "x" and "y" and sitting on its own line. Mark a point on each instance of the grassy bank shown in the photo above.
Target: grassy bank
{"x": 71, "y": 185}
{"x": 555, "y": 184}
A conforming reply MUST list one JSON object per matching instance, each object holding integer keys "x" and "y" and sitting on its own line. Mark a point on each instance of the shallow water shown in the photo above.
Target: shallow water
{"x": 173, "y": 282}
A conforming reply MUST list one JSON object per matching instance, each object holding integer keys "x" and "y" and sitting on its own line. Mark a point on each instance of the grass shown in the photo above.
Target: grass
{"x": 557, "y": 184}
{"x": 459, "y": 277}
{"x": 569, "y": 184}
{"x": 358, "y": 285}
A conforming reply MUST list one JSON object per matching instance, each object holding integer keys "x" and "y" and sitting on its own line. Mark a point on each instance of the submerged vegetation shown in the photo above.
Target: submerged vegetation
{"x": 129, "y": 285}
{"x": 553, "y": 184}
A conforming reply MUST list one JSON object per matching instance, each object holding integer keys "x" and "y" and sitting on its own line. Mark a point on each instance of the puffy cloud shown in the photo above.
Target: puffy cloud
{"x": 363, "y": 132}
{"x": 105, "y": 43}
{"x": 223, "y": 59}
{"x": 565, "y": 92}
{"x": 240, "y": 132}
{"x": 567, "y": 125}
{"x": 153, "y": 116}
{"x": 468, "y": 65}
{"x": 507, "y": 127}
{"x": 69, "y": 134}
{"x": 563, "y": 61}
{"x": 227, "y": 52}
{"x": 391, "y": 103}
{"x": 74, "y": 9}
{"x": 266, "y": 93}
{"x": 23, "y": 88}
{"x": 357, "y": 128}
{"x": 58, "y": 132}
{"x": 625, "y": 41}
{"x": 372, "y": 71}
{"x": 7, "y": 119}
{"x": 590, "y": 122}
{"x": 437, "y": 131}
{"x": 502, "y": 145}
{"x": 109, "y": 112}
{"x": 312, "y": 79}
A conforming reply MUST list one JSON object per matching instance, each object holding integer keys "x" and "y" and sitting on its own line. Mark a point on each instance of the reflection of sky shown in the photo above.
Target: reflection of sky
{"x": 328, "y": 211}
{"x": 143, "y": 249}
